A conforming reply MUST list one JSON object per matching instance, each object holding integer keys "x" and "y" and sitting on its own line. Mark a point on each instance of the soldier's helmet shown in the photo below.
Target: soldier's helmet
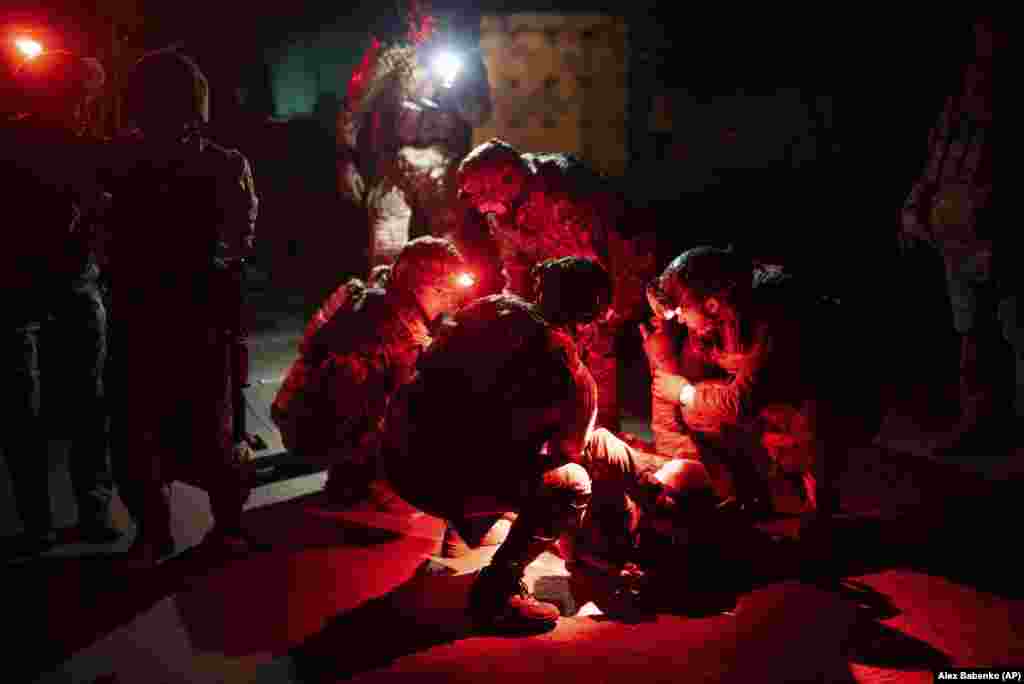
{"x": 572, "y": 290}
{"x": 167, "y": 90}
{"x": 425, "y": 261}
{"x": 58, "y": 80}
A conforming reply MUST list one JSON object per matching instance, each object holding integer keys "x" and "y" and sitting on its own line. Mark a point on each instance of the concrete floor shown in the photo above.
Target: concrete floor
{"x": 930, "y": 582}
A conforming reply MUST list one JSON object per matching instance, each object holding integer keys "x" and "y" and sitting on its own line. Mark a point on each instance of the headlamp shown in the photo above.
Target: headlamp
{"x": 465, "y": 280}
{"x": 447, "y": 65}
{"x": 28, "y": 47}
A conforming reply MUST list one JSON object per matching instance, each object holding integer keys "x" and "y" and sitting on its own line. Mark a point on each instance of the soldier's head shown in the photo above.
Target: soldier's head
{"x": 492, "y": 178}
{"x": 58, "y": 86}
{"x": 701, "y": 288}
{"x": 572, "y": 292}
{"x": 166, "y": 93}
{"x": 430, "y": 272}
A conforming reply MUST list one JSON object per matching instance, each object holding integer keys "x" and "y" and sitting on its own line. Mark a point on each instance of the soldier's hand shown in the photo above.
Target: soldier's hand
{"x": 243, "y": 453}
{"x": 658, "y": 344}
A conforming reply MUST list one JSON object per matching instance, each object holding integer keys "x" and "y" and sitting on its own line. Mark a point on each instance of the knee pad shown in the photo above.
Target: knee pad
{"x": 571, "y": 479}
{"x": 686, "y": 489}
{"x": 568, "y": 493}
{"x": 682, "y": 475}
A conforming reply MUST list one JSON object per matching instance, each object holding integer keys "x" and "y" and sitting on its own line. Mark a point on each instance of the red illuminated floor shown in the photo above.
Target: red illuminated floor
{"x": 355, "y": 595}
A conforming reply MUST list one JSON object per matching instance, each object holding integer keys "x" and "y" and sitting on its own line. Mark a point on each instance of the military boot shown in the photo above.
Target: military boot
{"x": 499, "y": 600}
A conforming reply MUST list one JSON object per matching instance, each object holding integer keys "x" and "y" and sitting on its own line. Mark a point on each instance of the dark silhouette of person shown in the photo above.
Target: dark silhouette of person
{"x": 56, "y": 345}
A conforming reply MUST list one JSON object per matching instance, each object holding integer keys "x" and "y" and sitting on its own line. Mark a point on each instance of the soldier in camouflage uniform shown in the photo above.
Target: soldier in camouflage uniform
{"x": 759, "y": 379}
{"x": 408, "y": 119}
{"x": 542, "y": 206}
{"x": 358, "y": 349}
{"x": 950, "y": 208}
{"x": 56, "y": 348}
{"x": 184, "y": 208}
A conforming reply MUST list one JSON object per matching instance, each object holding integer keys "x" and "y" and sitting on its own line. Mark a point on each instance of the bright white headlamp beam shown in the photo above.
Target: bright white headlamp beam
{"x": 447, "y": 65}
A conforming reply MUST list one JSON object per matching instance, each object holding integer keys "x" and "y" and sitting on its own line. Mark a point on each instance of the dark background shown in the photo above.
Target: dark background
{"x": 835, "y": 215}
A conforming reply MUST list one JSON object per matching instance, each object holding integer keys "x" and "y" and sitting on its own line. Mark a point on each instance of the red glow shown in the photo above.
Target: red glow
{"x": 362, "y": 75}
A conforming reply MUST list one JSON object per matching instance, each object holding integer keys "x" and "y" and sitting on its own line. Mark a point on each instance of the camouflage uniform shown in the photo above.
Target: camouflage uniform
{"x": 359, "y": 347}
{"x": 788, "y": 384}
{"x": 400, "y": 136}
{"x": 525, "y": 406}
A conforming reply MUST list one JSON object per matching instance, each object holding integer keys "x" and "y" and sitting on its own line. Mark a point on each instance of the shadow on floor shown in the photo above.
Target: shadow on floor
{"x": 322, "y": 561}
{"x": 73, "y": 601}
{"x": 426, "y": 611}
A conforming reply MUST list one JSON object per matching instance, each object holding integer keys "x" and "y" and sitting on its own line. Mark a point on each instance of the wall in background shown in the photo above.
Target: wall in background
{"x": 559, "y": 83}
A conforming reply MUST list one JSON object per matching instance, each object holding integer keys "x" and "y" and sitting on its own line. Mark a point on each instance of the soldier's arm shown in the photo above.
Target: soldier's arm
{"x": 915, "y": 222}
{"x": 671, "y": 437}
{"x": 576, "y": 414}
{"x": 714, "y": 403}
{"x": 240, "y": 207}
{"x": 351, "y": 185}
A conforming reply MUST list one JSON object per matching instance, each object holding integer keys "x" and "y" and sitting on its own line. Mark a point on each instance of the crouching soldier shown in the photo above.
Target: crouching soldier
{"x": 358, "y": 349}
{"x": 760, "y": 380}
{"x": 501, "y": 417}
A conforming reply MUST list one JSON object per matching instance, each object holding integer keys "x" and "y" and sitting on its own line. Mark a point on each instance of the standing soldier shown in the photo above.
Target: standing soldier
{"x": 408, "y": 119}
{"x": 50, "y": 274}
{"x": 950, "y": 208}
{"x": 183, "y": 209}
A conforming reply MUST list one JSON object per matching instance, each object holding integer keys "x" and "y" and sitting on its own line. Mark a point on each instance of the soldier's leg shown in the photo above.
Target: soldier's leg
{"x": 82, "y": 324}
{"x": 389, "y": 216}
{"x": 550, "y": 508}
{"x": 611, "y": 462}
{"x": 635, "y": 489}
{"x": 221, "y": 471}
{"x": 139, "y": 458}
{"x": 26, "y": 450}
{"x": 740, "y": 452}
{"x": 983, "y": 354}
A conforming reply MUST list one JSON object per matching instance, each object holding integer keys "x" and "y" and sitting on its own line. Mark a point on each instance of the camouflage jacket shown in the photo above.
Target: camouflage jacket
{"x": 950, "y": 204}
{"x": 767, "y": 377}
{"x": 357, "y": 350}
{"x": 516, "y": 386}
{"x": 398, "y": 130}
